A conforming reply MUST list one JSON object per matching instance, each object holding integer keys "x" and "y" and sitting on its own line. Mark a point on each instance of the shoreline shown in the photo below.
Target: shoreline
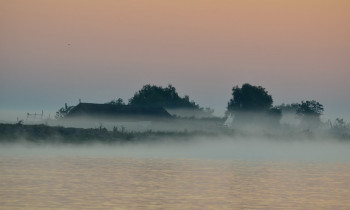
{"x": 41, "y": 134}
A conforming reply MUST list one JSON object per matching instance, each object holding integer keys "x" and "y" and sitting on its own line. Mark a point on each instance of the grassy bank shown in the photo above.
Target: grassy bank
{"x": 11, "y": 133}
{"x": 40, "y": 133}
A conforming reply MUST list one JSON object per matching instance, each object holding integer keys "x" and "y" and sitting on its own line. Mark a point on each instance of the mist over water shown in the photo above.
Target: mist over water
{"x": 198, "y": 174}
{"x": 194, "y": 138}
{"x": 254, "y": 168}
{"x": 221, "y": 148}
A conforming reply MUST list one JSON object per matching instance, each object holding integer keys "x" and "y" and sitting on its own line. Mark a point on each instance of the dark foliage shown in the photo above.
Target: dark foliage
{"x": 310, "y": 108}
{"x": 253, "y": 104}
{"x": 151, "y": 95}
{"x": 249, "y": 98}
{"x": 310, "y": 112}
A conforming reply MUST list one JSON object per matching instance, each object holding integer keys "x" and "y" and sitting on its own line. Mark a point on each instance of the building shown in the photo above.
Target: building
{"x": 112, "y": 111}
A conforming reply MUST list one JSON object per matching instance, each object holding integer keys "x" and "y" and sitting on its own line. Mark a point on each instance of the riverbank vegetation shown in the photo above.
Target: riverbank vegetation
{"x": 40, "y": 133}
{"x": 250, "y": 112}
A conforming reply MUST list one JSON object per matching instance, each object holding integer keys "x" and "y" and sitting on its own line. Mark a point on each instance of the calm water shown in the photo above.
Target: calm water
{"x": 71, "y": 182}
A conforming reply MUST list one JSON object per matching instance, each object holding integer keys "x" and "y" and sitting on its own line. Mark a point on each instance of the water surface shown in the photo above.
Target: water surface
{"x": 91, "y": 182}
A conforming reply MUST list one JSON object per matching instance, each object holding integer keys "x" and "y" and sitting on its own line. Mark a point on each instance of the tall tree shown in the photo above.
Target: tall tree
{"x": 249, "y": 98}
{"x": 253, "y": 104}
{"x": 151, "y": 95}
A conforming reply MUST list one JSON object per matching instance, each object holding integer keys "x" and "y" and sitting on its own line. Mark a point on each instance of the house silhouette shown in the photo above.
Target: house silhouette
{"x": 117, "y": 111}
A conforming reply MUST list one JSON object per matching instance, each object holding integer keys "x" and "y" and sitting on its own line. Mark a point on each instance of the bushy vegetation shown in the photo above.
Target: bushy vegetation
{"x": 252, "y": 104}
{"x": 249, "y": 98}
{"x": 11, "y": 133}
{"x": 151, "y": 95}
{"x": 249, "y": 105}
{"x": 157, "y": 96}
{"x": 310, "y": 112}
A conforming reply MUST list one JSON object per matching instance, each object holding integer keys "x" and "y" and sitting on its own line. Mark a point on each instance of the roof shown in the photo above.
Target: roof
{"x": 117, "y": 111}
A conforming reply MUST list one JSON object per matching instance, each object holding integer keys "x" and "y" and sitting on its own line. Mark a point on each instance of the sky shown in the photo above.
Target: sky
{"x": 58, "y": 51}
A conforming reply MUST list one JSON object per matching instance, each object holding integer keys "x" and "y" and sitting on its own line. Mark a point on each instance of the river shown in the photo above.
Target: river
{"x": 111, "y": 182}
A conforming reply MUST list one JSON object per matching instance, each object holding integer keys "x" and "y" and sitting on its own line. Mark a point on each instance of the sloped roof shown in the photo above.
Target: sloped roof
{"x": 117, "y": 111}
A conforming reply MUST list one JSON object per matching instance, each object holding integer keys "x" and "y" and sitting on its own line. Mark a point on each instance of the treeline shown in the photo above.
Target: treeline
{"x": 253, "y": 104}
{"x": 155, "y": 96}
{"x": 249, "y": 105}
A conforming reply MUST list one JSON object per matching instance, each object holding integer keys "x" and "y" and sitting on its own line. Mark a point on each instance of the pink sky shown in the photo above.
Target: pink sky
{"x": 58, "y": 51}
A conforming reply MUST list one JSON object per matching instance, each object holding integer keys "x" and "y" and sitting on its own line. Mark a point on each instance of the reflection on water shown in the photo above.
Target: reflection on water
{"x": 130, "y": 183}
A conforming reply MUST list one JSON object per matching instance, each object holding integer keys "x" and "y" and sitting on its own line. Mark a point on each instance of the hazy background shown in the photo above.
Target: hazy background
{"x": 58, "y": 51}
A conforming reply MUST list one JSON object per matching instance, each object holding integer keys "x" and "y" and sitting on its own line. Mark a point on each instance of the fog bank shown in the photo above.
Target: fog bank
{"x": 200, "y": 148}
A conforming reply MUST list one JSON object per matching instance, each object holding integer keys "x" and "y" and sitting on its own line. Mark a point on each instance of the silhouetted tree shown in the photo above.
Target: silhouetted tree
{"x": 151, "y": 95}
{"x": 249, "y": 98}
{"x": 253, "y": 104}
{"x": 310, "y": 112}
